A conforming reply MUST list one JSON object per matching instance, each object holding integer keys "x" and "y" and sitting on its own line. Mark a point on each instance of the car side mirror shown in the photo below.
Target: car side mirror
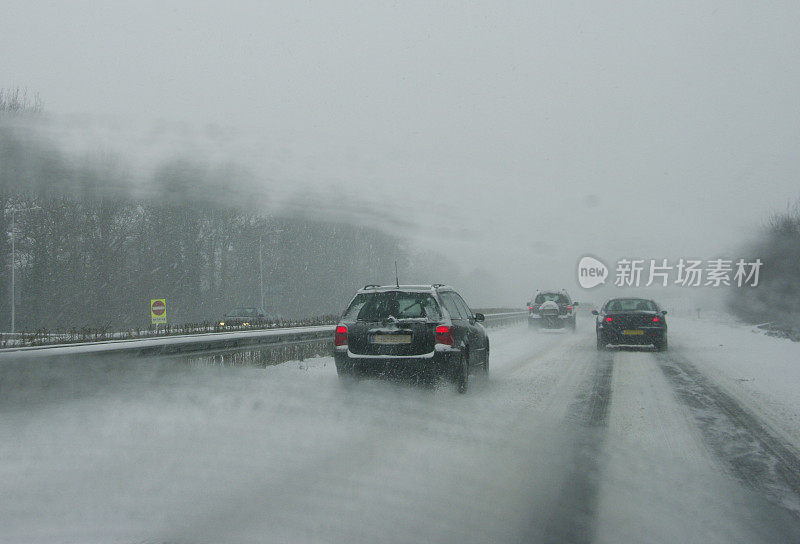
{"x": 663, "y": 312}
{"x": 529, "y": 303}
{"x": 595, "y": 312}
{"x": 575, "y": 303}
{"x": 480, "y": 317}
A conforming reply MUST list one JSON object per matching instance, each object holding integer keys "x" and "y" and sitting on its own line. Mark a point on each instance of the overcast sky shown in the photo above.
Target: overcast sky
{"x": 538, "y": 131}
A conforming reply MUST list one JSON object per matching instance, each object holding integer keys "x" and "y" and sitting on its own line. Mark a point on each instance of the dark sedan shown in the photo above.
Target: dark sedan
{"x": 631, "y": 322}
{"x": 244, "y": 317}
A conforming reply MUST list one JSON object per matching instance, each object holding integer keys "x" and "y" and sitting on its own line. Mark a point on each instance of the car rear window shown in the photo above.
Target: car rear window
{"x": 398, "y": 304}
{"x": 631, "y": 305}
{"x": 558, "y": 298}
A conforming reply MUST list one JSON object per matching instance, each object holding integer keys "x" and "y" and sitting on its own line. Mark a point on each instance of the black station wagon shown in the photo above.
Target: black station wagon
{"x": 420, "y": 330}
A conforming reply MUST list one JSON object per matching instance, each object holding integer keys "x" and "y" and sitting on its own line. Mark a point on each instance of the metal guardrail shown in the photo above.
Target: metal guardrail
{"x": 779, "y": 330}
{"x": 208, "y": 343}
{"x": 43, "y": 337}
{"x": 505, "y": 318}
{"x": 298, "y": 340}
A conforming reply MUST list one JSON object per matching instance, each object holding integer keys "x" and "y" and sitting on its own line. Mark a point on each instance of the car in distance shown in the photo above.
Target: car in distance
{"x": 631, "y": 322}
{"x": 244, "y": 317}
{"x": 427, "y": 331}
{"x": 552, "y": 310}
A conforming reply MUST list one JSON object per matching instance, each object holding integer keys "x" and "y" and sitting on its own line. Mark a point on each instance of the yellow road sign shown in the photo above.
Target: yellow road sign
{"x": 158, "y": 311}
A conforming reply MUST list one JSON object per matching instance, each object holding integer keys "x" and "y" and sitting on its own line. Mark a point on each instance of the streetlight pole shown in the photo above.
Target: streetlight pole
{"x": 273, "y": 233}
{"x": 13, "y": 259}
{"x": 261, "y": 270}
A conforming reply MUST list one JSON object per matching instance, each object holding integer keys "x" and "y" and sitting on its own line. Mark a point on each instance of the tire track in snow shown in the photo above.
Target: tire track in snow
{"x": 753, "y": 453}
{"x": 572, "y": 518}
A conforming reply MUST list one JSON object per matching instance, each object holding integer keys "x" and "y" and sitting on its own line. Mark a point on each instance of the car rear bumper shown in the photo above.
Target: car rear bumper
{"x": 550, "y": 320}
{"x": 616, "y": 337}
{"x": 436, "y": 363}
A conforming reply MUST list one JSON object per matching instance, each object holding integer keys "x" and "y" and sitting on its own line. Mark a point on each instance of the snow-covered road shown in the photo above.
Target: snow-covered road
{"x": 563, "y": 444}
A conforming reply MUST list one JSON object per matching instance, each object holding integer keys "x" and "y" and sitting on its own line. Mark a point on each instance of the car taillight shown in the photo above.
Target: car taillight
{"x": 655, "y": 320}
{"x": 340, "y": 337}
{"x": 608, "y": 319}
{"x": 530, "y": 307}
{"x": 569, "y": 307}
{"x": 444, "y": 335}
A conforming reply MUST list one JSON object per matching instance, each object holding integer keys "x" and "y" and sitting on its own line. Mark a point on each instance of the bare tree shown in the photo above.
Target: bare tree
{"x": 777, "y": 297}
{"x": 17, "y": 100}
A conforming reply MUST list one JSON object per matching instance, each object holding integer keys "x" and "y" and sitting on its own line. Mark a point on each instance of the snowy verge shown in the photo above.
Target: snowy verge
{"x": 762, "y": 372}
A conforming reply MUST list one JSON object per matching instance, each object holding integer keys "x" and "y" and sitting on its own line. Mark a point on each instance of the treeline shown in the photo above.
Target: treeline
{"x": 99, "y": 243}
{"x": 97, "y": 263}
{"x": 777, "y": 297}
{"x": 17, "y": 100}
{"x": 96, "y": 247}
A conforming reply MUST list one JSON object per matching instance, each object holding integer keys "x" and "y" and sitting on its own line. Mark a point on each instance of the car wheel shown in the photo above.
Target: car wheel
{"x": 662, "y": 344}
{"x": 461, "y": 371}
{"x": 486, "y": 362}
{"x": 573, "y": 325}
{"x": 347, "y": 373}
{"x": 601, "y": 343}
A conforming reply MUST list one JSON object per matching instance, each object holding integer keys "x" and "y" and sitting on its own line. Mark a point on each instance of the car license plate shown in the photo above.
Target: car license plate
{"x": 634, "y": 332}
{"x": 391, "y": 338}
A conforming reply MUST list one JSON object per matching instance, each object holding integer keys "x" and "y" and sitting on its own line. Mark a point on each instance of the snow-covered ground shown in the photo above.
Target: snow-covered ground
{"x": 562, "y": 444}
{"x": 762, "y": 371}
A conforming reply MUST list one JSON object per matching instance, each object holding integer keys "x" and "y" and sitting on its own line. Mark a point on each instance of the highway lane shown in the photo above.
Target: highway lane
{"x": 562, "y": 444}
